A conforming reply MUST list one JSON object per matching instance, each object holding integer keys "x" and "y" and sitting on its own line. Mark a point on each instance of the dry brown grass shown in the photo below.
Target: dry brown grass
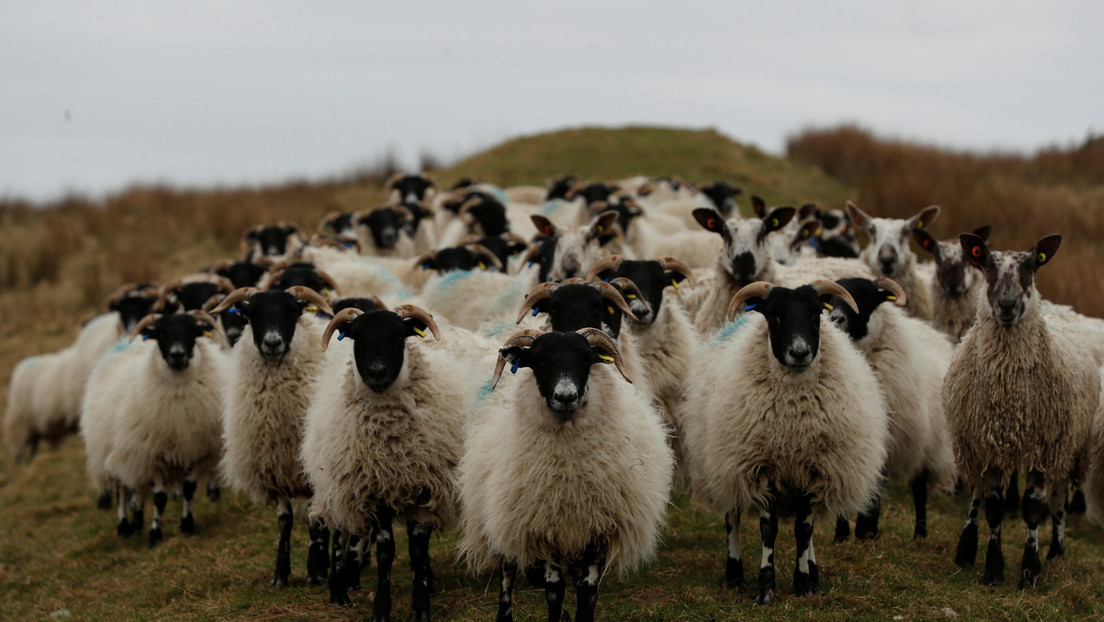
{"x": 1023, "y": 197}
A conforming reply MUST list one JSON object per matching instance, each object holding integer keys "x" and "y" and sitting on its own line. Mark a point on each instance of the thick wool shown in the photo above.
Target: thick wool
{"x": 909, "y": 359}
{"x": 470, "y": 298}
{"x": 264, "y": 406}
{"x": 695, "y": 248}
{"x": 750, "y": 420}
{"x": 1019, "y": 396}
{"x": 399, "y": 447}
{"x": 107, "y": 388}
{"x": 1094, "y": 471}
{"x": 169, "y": 422}
{"x": 955, "y": 316}
{"x": 713, "y": 311}
{"x": 535, "y": 488}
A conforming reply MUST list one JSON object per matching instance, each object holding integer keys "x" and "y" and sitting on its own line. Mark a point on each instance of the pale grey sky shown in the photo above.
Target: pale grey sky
{"x": 98, "y": 95}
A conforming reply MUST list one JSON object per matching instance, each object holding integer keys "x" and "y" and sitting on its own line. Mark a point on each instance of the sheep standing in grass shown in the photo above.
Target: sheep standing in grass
{"x": 887, "y": 253}
{"x": 1020, "y": 392}
{"x": 568, "y": 468}
{"x": 265, "y": 401}
{"x": 784, "y": 416}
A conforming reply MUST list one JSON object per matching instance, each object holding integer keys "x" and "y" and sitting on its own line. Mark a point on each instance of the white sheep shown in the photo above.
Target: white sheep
{"x": 567, "y": 467}
{"x": 888, "y": 253}
{"x": 956, "y": 286}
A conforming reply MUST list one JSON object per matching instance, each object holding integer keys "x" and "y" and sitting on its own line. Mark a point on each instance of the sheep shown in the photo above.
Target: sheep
{"x": 338, "y": 224}
{"x": 274, "y": 241}
{"x": 285, "y": 274}
{"x": 836, "y": 237}
{"x": 909, "y": 359}
{"x": 575, "y": 304}
{"x": 467, "y": 257}
{"x": 787, "y": 417}
{"x": 470, "y": 211}
{"x": 720, "y": 196}
{"x": 575, "y": 248}
{"x": 1019, "y": 392}
{"x": 956, "y": 287}
{"x": 383, "y": 436}
{"x": 380, "y": 232}
{"x": 404, "y": 188}
{"x": 570, "y": 470}
{"x": 785, "y": 243}
{"x": 887, "y": 253}
{"x": 165, "y": 426}
{"x": 240, "y": 273}
{"x": 1094, "y": 472}
{"x": 264, "y": 402}
{"x": 188, "y": 293}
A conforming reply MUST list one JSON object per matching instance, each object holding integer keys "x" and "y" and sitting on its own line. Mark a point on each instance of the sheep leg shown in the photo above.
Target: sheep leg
{"x": 160, "y": 500}
{"x": 418, "y": 541}
{"x": 554, "y": 590}
{"x": 1012, "y": 494}
{"x": 994, "y": 514}
{"x": 534, "y": 574}
{"x": 338, "y": 584}
{"x": 506, "y": 591}
{"x": 1058, "y": 520}
{"x": 214, "y": 492}
{"x": 966, "y": 553}
{"x": 122, "y": 526}
{"x": 103, "y": 501}
{"x": 768, "y": 529}
{"x": 283, "y": 547}
{"x": 1034, "y": 511}
{"x": 919, "y": 487}
{"x": 586, "y": 588}
{"x": 843, "y": 529}
{"x": 1077, "y": 504}
{"x": 137, "y": 504}
{"x": 806, "y": 575}
{"x": 187, "y": 516}
{"x": 734, "y": 564}
{"x": 318, "y": 556}
{"x": 385, "y": 556}
{"x": 357, "y": 558}
{"x": 866, "y": 524}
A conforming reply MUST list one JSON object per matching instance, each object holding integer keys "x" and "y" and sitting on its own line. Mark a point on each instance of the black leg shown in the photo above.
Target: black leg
{"x": 137, "y": 502}
{"x": 187, "y": 515}
{"x": 283, "y": 547}
{"x": 734, "y": 564}
{"x": 214, "y": 493}
{"x": 534, "y": 574}
{"x": 506, "y": 592}
{"x": 122, "y": 525}
{"x": 806, "y": 574}
{"x": 554, "y": 590}
{"x": 1012, "y": 495}
{"x": 1034, "y": 511}
{"x": 768, "y": 528}
{"x": 385, "y": 556}
{"x": 103, "y": 501}
{"x": 966, "y": 553}
{"x": 1077, "y": 503}
{"x": 843, "y": 529}
{"x": 994, "y": 514}
{"x": 160, "y": 500}
{"x": 1058, "y": 519}
{"x": 866, "y": 524}
{"x": 919, "y": 487}
{"x": 418, "y": 538}
{"x": 339, "y": 587}
{"x": 318, "y": 557}
{"x": 590, "y": 569}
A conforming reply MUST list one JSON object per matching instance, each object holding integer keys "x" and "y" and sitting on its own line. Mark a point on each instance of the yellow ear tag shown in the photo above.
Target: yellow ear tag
{"x": 601, "y": 229}
{"x": 482, "y": 266}
{"x": 774, "y": 222}
{"x": 631, "y": 296}
{"x": 312, "y": 309}
{"x": 208, "y": 334}
{"x": 605, "y": 359}
{"x": 828, "y": 306}
{"x": 675, "y": 283}
{"x": 919, "y": 224}
{"x": 326, "y": 291}
{"x": 891, "y": 298}
{"x": 1042, "y": 257}
{"x": 610, "y": 309}
{"x": 820, "y": 231}
{"x": 419, "y": 332}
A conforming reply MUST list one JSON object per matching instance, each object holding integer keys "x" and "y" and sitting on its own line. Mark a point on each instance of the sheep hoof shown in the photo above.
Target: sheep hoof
{"x": 155, "y": 536}
{"x": 314, "y": 580}
{"x": 278, "y": 581}
{"x": 843, "y": 529}
{"x": 419, "y": 616}
{"x": 341, "y": 600}
{"x": 124, "y": 529}
{"x": 103, "y": 502}
{"x": 966, "y": 553}
{"x": 807, "y": 583}
{"x": 920, "y": 532}
{"x": 1056, "y": 550}
{"x": 214, "y": 494}
{"x": 763, "y": 597}
{"x": 187, "y": 525}
{"x": 1027, "y": 579}
{"x": 734, "y": 575}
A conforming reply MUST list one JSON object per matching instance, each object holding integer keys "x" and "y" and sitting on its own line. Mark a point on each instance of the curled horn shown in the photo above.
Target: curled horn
{"x": 598, "y": 339}
{"x": 610, "y": 262}
{"x": 393, "y": 179}
{"x": 327, "y": 240}
{"x": 325, "y": 222}
{"x": 429, "y": 178}
{"x": 674, "y": 265}
{"x": 893, "y": 287}
{"x": 835, "y": 289}
{"x": 212, "y": 302}
{"x": 510, "y": 236}
{"x": 482, "y": 251}
{"x": 407, "y": 215}
{"x": 305, "y": 293}
{"x": 575, "y": 188}
{"x": 468, "y": 239}
{"x": 534, "y": 248}
{"x": 630, "y": 289}
{"x": 216, "y": 328}
{"x": 611, "y": 294}
{"x": 345, "y": 315}
{"x": 524, "y": 338}
{"x": 264, "y": 261}
{"x": 233, "y": 298}
{"x": 119, "y": 294}
{"x": 467, "y": 206}
{"x": 418, "y": 313}
{"x": 166, "y": 290}
{"x": 757, "y": 289}
{"x": 296, "y": 229}
{"x": 539, "y": 293}
{"x": 144, "y": 323}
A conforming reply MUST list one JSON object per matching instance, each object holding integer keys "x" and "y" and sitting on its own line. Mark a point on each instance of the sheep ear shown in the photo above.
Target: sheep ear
{"x": 710, "y": 220}
{"x": 779, "y": 217}
{"x": 543, "y": 225}
{"x": 515, "y": 355}
{"x": 975, "y": 250}
{"x": 601, "y": 226}
{"x": 754, "y": 303}
{"x": 859, "y": 217}
{"x": 415, "y": 328}
{"x": 924, "y": 218}
{"x": 1045, "y": 248}
{"x": 926, "y": 241}
{"x": 983, "y": 232}
{"x": 759, "y": 205}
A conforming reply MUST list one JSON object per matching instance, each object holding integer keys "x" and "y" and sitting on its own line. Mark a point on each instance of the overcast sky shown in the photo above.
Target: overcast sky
{"x": 98, "y": 95}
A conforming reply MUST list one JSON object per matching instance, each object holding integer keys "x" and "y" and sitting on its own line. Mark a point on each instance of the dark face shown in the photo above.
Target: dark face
{"x": 558, "y": 190}
{"x": 385, "y": 225}
{"x": 412, "y": 188}
{"x": 867, "y": 297}
{"x": 1010, "y": 276}
{"x": 176, "y": 335}
{"x": 723, "y": 197}
{"x": 341, "y": 224}
{"x": 379, "y": 346}
{"x": 561, "y": 367}
{"x": 490, "y": 215}
{"x": 273, "y": 316}
{"x": 243, "y": 273}
{"x": 626, "y": 212}
{"x": 273, "y": 240}
{"x": 576, "y": 306}
{"x": 594, "y": 193}
{"x": 793, "y": 323}
{"x": 650, "y": 278}
{"x": 131, "y": 309}
{"x": 419, "y": 213}
{"x": 456, "y": 258}
{"x": 301, "y": 273}
{"x": 364, "y": 304}
{"x": 191, "y": 296}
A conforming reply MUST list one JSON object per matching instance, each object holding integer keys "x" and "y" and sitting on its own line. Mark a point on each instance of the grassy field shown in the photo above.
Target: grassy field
{"x": 60, "y": 557}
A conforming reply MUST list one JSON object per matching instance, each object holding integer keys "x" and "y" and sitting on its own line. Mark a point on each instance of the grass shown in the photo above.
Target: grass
{"x": 58, "y": 553}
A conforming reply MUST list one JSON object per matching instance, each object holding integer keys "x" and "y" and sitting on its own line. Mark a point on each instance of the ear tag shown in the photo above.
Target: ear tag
{"x": 804, "y": 233}
{"x": 675, "y": 283}
{"x": 349, "y": 244}
{"x": 327, "y": 291}
{"x": 311, "y": 309}
{"x": 828, "y": 306}
{"x": 631, "y": 296}
{"x": 421, "y": 333}
{"x": 1042, "y": 258}
{"x": 610, "y": 309}
{"x": 145, "y": 336}
{"x": 601, "y": 229}
{"x": 711, "y": 223}
{"x": 976, "y": 251}
{"x": 820, "y": 230}
{"x": 549, "y": 229}
{"x": 774, "y": 222}
{"x": 919, "y": 224}
{"x": 751, "y": 306}
{"x": 514, "y": 367}
{"x": 605, "y": 358}
{"x": 425, "y": 266}
{"x": 208, "y": 334}
{"x": 234, "y": 310}
{"x": 530, "y": 264}
{"x": 535, "y": 312}
{"x": 340, "y": 335}
{"x": 482, "y": 266}
{"x": 891, "y": 298}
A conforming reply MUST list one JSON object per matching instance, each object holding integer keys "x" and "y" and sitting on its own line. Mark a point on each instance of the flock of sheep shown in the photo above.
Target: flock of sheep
{"x": 660, "y": 340}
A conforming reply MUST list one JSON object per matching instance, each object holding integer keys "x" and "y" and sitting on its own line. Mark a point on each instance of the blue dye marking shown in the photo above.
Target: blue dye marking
{"x": 728, "y": 330}
{"x": 550, "y": 207}
{"x": 484, "y": 392}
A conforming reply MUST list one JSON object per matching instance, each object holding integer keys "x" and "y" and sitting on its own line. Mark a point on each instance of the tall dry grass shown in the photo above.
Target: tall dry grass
{"x": 1023, "y": 197}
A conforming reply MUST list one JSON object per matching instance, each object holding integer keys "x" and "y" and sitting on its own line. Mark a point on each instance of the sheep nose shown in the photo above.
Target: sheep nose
{"x": 388, "y": 237}
{"x": 272, "y": 342}
{"x": 377, "y": 370}
{"x": 745, "y": 265}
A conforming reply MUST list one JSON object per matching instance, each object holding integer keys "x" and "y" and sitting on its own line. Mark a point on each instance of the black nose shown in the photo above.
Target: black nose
{"x": 744, "y": 263}
{"x": 1007, "y": 305}
{"x": 388, "y": 238}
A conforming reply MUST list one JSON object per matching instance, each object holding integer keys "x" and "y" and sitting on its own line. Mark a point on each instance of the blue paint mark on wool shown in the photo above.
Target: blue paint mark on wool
{"x": 450, "y": 279}
{"x": 551, "y": 207}
{"x": 484, "y": 392}
{"x": 728, "y": 330}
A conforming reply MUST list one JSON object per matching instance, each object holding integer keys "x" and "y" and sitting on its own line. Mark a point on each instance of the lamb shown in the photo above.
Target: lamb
{"x": 956, "y": 287}
{"x": 264, "y": 403}
{"x": 165, "y": 424}
{"x": 383, "y": 437}
{"x": 787, "y": 416}
{"x": 909, "y": 359}
{"x": 570, "y": 470}
{"x": 1020, "y": 392}
{"x": 888, "y": 254}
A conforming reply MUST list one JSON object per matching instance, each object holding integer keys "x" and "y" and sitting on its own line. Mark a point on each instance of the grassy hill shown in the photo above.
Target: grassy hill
{"x": 59, "y": 554}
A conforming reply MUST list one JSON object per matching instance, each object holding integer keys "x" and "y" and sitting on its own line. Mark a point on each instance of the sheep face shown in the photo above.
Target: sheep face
{"x": 575, "y": 306}
{"x": 867, "y": 296}
{"x": 745, "y": 249}
{"x": 651, "y": 278}
{"x": 837, "y": 237}
{"x": 301, "y": 273}
{"x": 558, "y": 187}
{"x": 379, "y": 347}
{"x": 1010, "y": 276}
{"x": 887, "y": 251}
{"x": 176, "y": 336}
{"x": 460, "y": 258}
{"x": 793, "y": 324}
{"x": 384, "y": 223}
{"x": 271, "y": 241}
{"x": 273, "y": 316}
{"x": 411, "y": 189}
{"x": 191, "y": 296}
{"x": 487, "y": 217}
{"x": 561, "y": 367}
{"x": 242, "y": 273}
{"x": 418, "y": 213}
{"x": 954, "y": 274}
{"x": 592, "y": 193}
{"x": 575, "y": 248}
{"x": 723, "y": 196}
{"x": 626, "y": 209}
{"x": 339, "y": 224}
{"x": 503, "y": 246}
{"x": 131, "y": 309}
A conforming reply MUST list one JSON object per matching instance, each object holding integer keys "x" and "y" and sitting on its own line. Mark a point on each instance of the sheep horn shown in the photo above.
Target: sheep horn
{"x": 482, "y": 251}
{"x": 405, "y": 311}
{"x": 674, "y": 265}
{"x": 324, "y": 224}
{"x": 143, "y": 324}
{"x": 222, "y": 264}
{"x": 264, "y": 261}
{"x": 630, "y": 288}
{"x": 305, "y": 293}
{"x": 757, "y": 289}
{"x": 296, "y": 229}
{"x": 610, "y": 262}
{"x": 233, "y": 298}
{"x": 610, "y": 293}
{"x": 212, "y": 302}
{"x": 429, "y": 178}
{"x": 835, "y": 289}
{"x": 216, "y": 328}
{"x": 425, "y": 258}
{"x": 510, "y": 236}
{"x": 534, "y": 248}
{"x": 325, "y": 276}
{"x": 539, "y": 293}
{"x": 523, "y": 338}
{"x": 893, "y": 287}
{"x": 407, "y": 215}
{"x": 598, "y": 339}
{"x": 343, "y": 316}
{"x": 598, "y": 207}
{"x": 467, "y": 206}
{"x": 393, "y": 179}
